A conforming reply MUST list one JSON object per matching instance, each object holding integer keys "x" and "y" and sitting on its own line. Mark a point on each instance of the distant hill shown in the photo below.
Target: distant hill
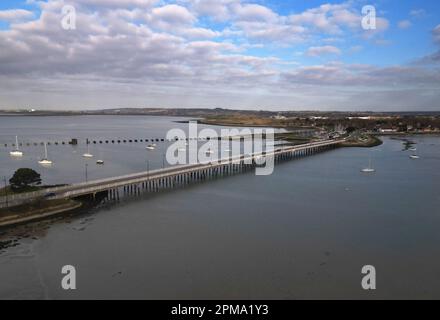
{"x": 201, "y": 113}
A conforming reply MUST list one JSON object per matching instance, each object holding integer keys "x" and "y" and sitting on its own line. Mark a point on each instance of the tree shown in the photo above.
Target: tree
{"x": 24, "y": 178}
{"x": 350, "y": 130}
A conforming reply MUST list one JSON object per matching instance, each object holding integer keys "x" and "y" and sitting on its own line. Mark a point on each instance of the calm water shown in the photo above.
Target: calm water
{"x": 69, "y": 165}
{"x": 304, "y": 232}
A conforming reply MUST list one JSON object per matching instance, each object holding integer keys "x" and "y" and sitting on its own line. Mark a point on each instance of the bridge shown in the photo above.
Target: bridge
{"x": 170, "y": 178}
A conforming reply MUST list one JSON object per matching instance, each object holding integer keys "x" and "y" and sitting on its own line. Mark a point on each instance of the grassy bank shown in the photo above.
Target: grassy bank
{"x": 36, "y": 210}
{"x": 246, "y": 121}
{"x": 363, "y": 142}
{"x": 292, "y": 138}
{"x": 8, "y": 191}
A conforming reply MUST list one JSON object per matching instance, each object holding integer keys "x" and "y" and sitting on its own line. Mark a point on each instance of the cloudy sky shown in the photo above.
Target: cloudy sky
{"x": 247, "y": 54}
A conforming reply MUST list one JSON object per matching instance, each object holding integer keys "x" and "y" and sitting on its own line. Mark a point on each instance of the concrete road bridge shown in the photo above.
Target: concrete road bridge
{"x": 171, "y": 177}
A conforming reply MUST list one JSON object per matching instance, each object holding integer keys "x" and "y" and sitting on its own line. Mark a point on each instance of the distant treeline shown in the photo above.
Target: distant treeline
{"x": 194, "y": 112}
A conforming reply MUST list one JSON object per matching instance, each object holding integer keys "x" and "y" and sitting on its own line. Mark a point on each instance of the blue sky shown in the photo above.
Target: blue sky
{"x": 263, "y": 54}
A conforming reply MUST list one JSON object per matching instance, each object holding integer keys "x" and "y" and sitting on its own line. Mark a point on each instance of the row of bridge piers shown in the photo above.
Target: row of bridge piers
{"x": 155, "y": 184}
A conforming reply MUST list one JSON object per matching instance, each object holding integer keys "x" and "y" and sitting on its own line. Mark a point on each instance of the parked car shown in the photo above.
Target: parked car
{"x": 50, "y": 195}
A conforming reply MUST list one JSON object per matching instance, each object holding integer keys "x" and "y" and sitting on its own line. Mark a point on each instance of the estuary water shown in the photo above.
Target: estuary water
{"x": 304, "y": 232}
{"x": 68, "y": 164}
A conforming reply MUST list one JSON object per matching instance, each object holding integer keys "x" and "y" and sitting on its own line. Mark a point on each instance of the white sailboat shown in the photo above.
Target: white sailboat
{"x": 369, "y": 169}
{"x": 414, "y": 156}
{"x": 88, "y": 154}
{"x": 100, "y": 161}
{"x": 16, "y": 152}
{"x": 45, "y": 161}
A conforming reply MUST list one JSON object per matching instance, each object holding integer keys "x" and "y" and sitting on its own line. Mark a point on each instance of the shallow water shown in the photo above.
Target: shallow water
{"x": 304, "y": 232}
{"x": 68, "y": 164}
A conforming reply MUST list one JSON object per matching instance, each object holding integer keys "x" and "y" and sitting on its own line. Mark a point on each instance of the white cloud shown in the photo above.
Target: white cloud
{"x": 355, "y": 49}
{"x": 220, "y": 10}
{"x": 173, "y": 14}
{"x": 417, "y": 13}
{"x": 198, "y": 33}
{"x": 258, "y": 22}
{"x": 328, "y": 18}
{"x": 404, "y": 24}
{"x": 153, "y": 52}
{"x": 108, "y": 45}
{"x": 436, "y": 34}
{"x": 255, "y": 12}
{"x": 362, "y": 75}
{"x": 116, "y": 3}
{"x": 15, "y": 15}
{"x": 169, "y": 18}
{"x": 324, "y": 50}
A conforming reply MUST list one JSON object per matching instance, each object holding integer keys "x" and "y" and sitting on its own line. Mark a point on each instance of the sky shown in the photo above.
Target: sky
{"x": 236, "y": 54}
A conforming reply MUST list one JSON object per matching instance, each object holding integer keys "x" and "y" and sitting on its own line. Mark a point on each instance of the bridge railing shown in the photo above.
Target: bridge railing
{"x": 182, "y": 169}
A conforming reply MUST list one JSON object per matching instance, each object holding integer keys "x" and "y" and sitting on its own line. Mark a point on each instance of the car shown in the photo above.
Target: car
{"x": 50, "y": 195}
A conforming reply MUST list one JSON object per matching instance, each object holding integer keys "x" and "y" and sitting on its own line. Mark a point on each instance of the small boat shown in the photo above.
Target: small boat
{"x": 16, "y": 152}
{"x": 88, "y": 154}
{"x": 100, "y": 162}
{"x": 369, "y": 169}
{"x": 151, "y": 147}
{"x": 45, "y": 161}
{"x": 413, "y": 149}
{"x": 414, "y": 157}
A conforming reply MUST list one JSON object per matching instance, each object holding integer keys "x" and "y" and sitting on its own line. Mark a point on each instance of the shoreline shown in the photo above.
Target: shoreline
{"x": 373, "y": 141}
{"x": 22, "y": 218}
{"x": 244, "y": 125}
{"x": 411, "y": 134}
{"x": 39, "y": 211}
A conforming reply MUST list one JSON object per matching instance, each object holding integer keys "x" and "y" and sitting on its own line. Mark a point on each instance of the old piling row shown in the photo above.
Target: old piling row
{"x": 75, "y": 141}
